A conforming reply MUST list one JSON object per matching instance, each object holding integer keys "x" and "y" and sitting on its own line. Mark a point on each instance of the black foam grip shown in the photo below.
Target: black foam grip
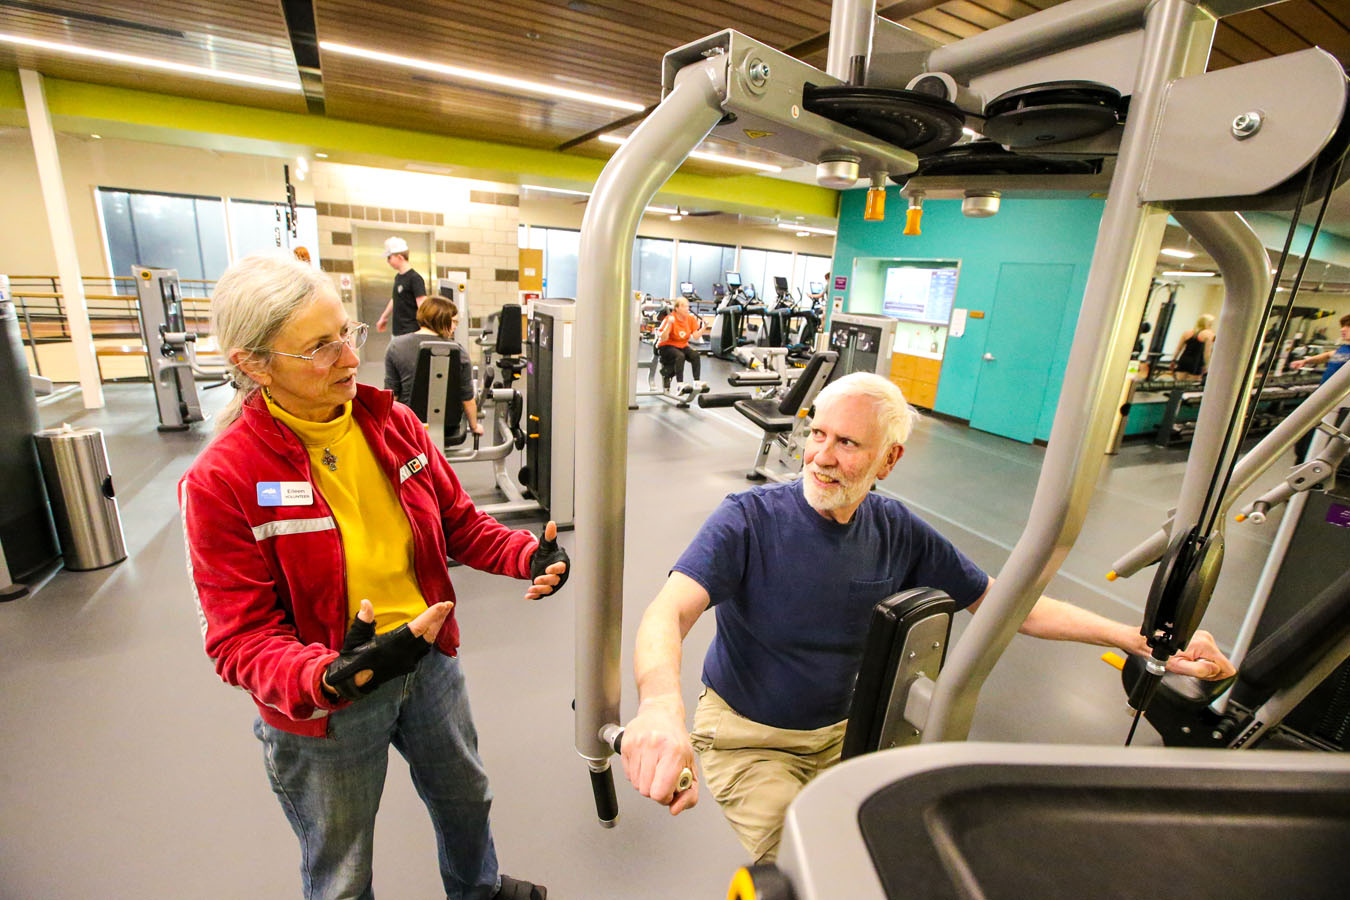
{"x": 606, "y": 801}
{"x": 713, "y": 401}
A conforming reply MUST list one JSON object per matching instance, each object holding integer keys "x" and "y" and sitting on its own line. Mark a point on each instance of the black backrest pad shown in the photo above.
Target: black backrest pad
{"x": 509, "y": 331}
{"x": 447, "y": 394}
{"x": 1292, "y": 649}
{"x": 792, "y": 400}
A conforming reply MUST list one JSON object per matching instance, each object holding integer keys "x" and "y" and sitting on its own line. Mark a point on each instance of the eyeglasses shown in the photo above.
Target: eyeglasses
{"x": 353, "y": 336}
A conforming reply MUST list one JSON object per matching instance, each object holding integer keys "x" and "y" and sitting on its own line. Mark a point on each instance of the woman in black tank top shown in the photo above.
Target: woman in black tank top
{"x": 1191, "y": 357}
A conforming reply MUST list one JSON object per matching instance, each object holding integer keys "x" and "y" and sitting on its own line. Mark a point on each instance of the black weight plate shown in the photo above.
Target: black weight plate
{"x": 988, "y": 158}
{"x": 909, "y": 120}
{"x": 1046, "y": 93}
{"x": 1036, "y": 126}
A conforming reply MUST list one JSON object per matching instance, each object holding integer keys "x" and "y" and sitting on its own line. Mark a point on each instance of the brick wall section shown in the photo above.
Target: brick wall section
{"x": 482, "y": 241}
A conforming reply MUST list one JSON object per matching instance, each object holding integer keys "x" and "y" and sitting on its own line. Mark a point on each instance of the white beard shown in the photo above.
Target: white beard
{"x": 841, "y": 494}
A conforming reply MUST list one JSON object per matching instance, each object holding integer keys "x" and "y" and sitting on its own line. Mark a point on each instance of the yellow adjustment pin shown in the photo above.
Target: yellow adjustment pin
{"x": 1240, "y": 517}
{"x": 742, "y": 885}
{"x": 1112, "y": 576}
{"x": 1111, "y": 658}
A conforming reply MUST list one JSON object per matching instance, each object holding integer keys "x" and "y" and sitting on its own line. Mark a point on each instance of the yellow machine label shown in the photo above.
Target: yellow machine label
{"x": 756, "y": 135}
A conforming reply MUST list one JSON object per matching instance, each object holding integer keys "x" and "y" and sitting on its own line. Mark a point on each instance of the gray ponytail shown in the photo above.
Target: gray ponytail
{"x": 251, "y": 303}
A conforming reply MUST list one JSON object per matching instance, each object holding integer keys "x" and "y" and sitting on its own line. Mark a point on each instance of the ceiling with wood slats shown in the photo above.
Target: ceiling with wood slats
{"x": 610, "y": 47}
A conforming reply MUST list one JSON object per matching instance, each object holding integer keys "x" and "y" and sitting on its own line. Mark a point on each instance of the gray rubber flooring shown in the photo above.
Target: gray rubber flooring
{"x": 130, "y": 770}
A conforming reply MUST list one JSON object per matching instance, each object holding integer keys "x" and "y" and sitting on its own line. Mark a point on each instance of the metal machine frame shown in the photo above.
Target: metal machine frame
{"x": 1154, "y": 50}
{"x": 169, "y": 345}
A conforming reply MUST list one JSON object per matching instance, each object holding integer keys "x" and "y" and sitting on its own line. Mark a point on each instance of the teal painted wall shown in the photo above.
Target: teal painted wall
{"x": 1027, "y": 231}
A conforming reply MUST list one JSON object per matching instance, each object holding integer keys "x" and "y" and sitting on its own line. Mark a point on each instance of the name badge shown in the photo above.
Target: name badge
{"x": 285, "y": 493}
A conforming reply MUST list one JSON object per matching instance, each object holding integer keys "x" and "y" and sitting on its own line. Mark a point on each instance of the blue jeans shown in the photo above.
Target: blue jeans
{"x": 330, "y": 786}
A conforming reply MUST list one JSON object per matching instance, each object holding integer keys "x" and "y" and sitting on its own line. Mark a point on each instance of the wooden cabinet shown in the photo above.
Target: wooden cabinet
{"x": 917, "y": 377}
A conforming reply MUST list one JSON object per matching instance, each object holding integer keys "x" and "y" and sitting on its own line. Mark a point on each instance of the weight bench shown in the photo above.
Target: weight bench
{"x": 780, "y": 417}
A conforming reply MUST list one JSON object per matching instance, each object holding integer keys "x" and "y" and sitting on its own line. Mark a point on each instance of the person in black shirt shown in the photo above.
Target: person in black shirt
{"x": 409, "y": 290}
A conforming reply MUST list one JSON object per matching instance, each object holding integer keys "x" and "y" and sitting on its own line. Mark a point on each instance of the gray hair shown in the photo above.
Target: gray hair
{"x": 894, "y": 414}
{"x": 250, "y": 305}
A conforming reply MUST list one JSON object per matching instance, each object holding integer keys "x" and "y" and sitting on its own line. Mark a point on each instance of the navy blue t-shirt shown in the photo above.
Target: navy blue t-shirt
{"x": 794, "y": 591}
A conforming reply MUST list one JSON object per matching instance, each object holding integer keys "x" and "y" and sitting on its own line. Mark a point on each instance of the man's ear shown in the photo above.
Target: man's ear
{"x": 251, "y": 366}
{"x": 892, "y": 457}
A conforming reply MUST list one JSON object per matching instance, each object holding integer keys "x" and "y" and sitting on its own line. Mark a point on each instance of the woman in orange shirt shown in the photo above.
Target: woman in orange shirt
{"x": 673, "y": 335}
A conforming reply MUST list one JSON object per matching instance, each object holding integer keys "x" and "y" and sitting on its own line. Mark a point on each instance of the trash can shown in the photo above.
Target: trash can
{"x": 80, "y": 489}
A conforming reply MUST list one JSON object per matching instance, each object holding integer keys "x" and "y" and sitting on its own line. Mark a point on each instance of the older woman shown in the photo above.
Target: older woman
{"x": 318, "y": 524}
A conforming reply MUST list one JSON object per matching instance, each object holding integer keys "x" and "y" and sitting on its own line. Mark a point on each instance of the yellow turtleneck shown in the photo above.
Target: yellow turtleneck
{"x": 377, "y": 542}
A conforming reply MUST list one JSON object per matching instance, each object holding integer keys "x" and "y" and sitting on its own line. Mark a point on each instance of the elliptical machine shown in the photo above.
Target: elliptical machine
{"x": 803, "y": 323}
{"x": 725, "y": 334}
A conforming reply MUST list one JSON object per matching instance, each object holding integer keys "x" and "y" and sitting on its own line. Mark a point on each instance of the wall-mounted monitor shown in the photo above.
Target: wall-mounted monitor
{"x": 920, "y": 290}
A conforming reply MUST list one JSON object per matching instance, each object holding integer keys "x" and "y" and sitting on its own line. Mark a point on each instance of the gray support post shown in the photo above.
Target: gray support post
{"x": 1127, "y": 246}
{"x": 1039, "y": 34}
{"x": 1245, "y": 267}
{"x": 851, "y": 26}
{"x": 627, "y": 184}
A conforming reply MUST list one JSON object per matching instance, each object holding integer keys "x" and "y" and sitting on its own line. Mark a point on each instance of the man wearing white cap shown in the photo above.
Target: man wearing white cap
{"x": 409, "y": 290}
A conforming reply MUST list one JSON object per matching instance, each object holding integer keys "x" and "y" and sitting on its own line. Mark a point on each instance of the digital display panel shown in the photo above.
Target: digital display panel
{"x": 920, "y": 291}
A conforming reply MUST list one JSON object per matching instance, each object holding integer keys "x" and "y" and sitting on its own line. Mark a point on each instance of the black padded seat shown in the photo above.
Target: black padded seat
{"x": 442, "y": 398}
{"x": 776, "y": 416}
{"x": 764, "y": 413}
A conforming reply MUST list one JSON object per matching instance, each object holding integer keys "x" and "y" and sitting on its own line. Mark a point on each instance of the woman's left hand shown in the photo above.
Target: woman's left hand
{"x": 549, "y": 565}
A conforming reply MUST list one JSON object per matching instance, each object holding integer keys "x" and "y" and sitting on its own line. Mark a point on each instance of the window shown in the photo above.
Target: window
{"x": 561, "y": 249}
{"x": 809, "y": 269}
{"x": 705, "y": 265}
{"x": 652, "y": 259}
{"x": 260, "y": 227}
{"x": 165, "y": 231}
{"x": 758, "y": 267}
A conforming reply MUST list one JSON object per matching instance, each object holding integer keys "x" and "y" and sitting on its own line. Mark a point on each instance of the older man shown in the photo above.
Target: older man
{"x": 793, "y": 571}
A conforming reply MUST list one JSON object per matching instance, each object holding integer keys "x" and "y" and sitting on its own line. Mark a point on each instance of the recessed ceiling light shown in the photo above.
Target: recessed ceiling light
{"x": 807, "y": 228}
{"x": 803, "y": 234}
{"x": 711, "y": 157}
{"x": 1179, "y": 254}
{"x": 99, "y": 137}
{"x": 520, "y": 84}
{"x": 320, "y": 155}
{"x": 102, "y": 54}
{"x": 676, "y": 217}
{"x": 1188, "y": 273}
{"x": 532, "y": 35}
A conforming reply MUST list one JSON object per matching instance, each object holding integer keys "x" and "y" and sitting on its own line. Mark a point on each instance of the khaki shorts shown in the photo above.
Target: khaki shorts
{"x": 755, "y": 771}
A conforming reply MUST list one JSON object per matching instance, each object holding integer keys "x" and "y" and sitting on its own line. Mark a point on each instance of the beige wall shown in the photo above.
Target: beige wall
{"x": 474, "y": 223}
{"x": 87, "y": 164}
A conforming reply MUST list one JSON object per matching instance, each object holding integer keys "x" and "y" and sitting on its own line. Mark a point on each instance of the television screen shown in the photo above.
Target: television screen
{"x": 920, "y": 291}
{"x": 780, "y": 284}
{"x": 733, "y": 279}
{"x": 686, "y": 288}
{"x": 817, "y": 287}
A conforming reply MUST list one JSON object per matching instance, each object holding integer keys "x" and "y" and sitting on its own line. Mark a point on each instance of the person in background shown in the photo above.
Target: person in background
{"x": 1334, "y": 359}
{"x": 437, "y": 317}
{"x": 1191, "y": 358}
{"x": 672, "y": 342}
{"x": 409, "y": 290}
{"x": 793, "y": 572}
{"x": 318, "y": 522}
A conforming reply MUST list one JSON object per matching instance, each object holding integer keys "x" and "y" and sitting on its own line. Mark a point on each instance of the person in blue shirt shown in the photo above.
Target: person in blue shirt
{"x": 1334, "y": 358}
{"x": 792, "y": 572}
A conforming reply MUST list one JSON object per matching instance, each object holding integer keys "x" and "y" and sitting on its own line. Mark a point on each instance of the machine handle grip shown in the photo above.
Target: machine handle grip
{"x": 606, "y": 802}
{"x": 613, "y": 735}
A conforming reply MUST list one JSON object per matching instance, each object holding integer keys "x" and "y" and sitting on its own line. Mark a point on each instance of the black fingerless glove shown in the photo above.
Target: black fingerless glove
{"x": 546, "y": 555}
{"x": 387, "y": 656}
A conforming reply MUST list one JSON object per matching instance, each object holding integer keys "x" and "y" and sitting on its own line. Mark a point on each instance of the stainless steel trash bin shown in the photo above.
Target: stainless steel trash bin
{"x": 80, "y": 488}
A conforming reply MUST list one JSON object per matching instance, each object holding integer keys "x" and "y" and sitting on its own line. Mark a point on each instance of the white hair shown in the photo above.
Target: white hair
{"x": 250, "y": 305}
{"x": 894, "y": 414}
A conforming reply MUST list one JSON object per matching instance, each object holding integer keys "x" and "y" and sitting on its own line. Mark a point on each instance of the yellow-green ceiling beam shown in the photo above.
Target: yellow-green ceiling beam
{"x": 162, "y": 117}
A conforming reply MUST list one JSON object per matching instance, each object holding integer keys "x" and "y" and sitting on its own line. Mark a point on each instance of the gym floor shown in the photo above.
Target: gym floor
{"x": 131, "y": 771}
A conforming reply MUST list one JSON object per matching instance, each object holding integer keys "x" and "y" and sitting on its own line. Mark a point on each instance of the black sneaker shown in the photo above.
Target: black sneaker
{"x": 515, "y": 889}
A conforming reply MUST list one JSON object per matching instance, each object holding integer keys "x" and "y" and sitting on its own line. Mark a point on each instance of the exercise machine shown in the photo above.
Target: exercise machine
{"x": 864, "y": 342}
{"x": 679, "y": 393}
{"x": 851, "y": 127}
{"x": 786, "y": 422}
{"x": 171, "y": 348}
{"x": 729, "y": 319}
{"x": 803, "y": 322}
{"x": 544, "y": 483}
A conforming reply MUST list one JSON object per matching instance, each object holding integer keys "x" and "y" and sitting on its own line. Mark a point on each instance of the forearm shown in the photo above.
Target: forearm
{"x": 471, "y": 413}
{"x": 657, "y": 657}
{"x": 1055, "y": 620}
